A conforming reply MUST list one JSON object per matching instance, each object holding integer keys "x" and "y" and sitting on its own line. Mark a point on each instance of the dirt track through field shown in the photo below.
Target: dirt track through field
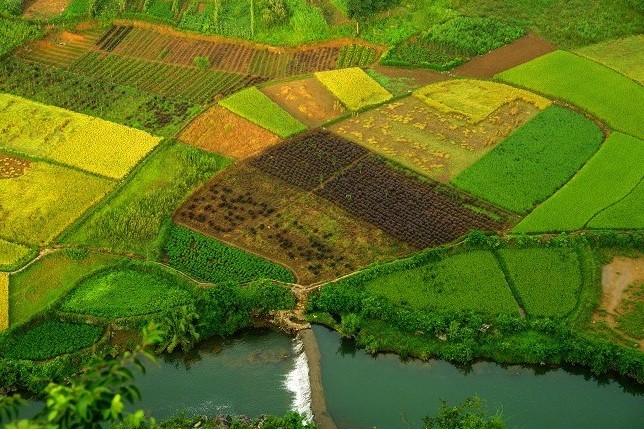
{"x": 521, "y": 51}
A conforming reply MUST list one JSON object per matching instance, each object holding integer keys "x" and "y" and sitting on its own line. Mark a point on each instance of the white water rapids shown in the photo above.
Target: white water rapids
{"x": 297, "y": 382}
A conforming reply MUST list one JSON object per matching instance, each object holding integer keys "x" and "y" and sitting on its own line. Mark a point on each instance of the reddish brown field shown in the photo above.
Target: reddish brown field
{"x": 521, "y": 51}
{"x": 262, "y": 214}
{"x": 219, "y": 130}
{"x": 11, "y": 167}
{"x": 307, "y": 100}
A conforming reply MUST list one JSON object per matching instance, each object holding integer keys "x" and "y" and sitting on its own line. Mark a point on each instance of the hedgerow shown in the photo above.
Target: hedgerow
{"x": 48, "y": 339}
{"x": 212, "y": 261}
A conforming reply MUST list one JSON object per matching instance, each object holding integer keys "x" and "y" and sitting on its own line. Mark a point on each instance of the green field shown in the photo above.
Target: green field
{"x": 615, "y": 170}
{"x": 627, "y": 213}
{"x": 211, "y": 261}
{"x": 49, "y": 339}
{"x": 353, "y": 87}
{"x": 468, "y": 281}
{"x": 15, "y": 32}
{"x": 127, "y": 292}
{"x": 548, "y": 280}
{"x": 623, "y": 55}
{"x": 41, "y": 284}
{"x": 255, "y": 106}
{"x": 132, "y": 219}
{"x": 534, "y": 161}
{"x": 603, "y": 92}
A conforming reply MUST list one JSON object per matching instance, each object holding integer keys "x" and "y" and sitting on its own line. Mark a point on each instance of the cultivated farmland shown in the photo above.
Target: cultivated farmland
{"x": 77, "y": 140}
{"x": 353, "y": 87}
{"x": 38, "y": 205}
{"x": 12, "y": 253}
{"x": 534, "y": 161}
{"x": 623, "y": 55}
{"x": 603, "y": 92}
{"x": 219, "y": 130}
{"x": 255, "y": 106}
{"x": 4, "y": 301}
{"x": 307, "y": 100}
{"x": 548, "y": 280}
{"x": 456, "y": 124}
{"x": 615, "y": 170}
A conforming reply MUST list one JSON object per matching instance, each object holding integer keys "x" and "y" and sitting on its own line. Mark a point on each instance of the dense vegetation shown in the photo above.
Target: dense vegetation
{"x": 48, "y": 339}
{"x": 534, "y": 161}
{"x": 452, "y": 43}
{"x": 15, "y": 32}
{"x": 128, "y": 292}
{"x": 212, "y": 261}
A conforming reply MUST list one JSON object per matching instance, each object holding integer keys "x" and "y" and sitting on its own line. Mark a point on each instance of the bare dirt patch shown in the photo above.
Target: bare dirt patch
{"x": 617, "y": 277}
{"x": 45, "y": 8}
{"x": 219, "y": 130}
{"x": 307, "y": 100}
{"x": 11, "y": 167}
{"x": 518, "y": 52}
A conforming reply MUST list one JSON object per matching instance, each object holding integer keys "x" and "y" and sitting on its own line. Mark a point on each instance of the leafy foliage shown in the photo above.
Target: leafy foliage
{"x": 470, "y": 414}
{"x": 127, "y": 292}
{"x": 178, "y": 329}
{"x": 212, "y": 261}
{"x": 48, "y": 339}
{"x": 534, "y": 161}
{"x": 361, "y": 9}
{"x": 15, "y": 32}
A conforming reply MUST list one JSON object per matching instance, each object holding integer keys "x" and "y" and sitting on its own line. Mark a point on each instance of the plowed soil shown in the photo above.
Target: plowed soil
{"x": 11, "y": 167}
{"x": 307, "y": 100}
{"x": 219, "y": 130}
{"x": 521, "y": 51}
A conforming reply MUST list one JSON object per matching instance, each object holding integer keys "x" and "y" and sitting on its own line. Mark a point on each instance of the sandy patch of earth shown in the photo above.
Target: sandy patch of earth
{"x": 45, "y": 8}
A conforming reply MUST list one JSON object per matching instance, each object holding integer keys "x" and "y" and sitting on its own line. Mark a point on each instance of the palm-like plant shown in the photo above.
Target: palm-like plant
{"x": 179, "y": 329}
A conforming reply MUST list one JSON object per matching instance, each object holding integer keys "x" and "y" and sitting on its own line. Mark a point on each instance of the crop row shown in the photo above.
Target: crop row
{"x": 309, "y": 160}
{"x": 413, "y": 211}
{"x": 356, "y": 55}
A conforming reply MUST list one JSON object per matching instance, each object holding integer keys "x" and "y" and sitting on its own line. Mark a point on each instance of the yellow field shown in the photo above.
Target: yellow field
{"x": 623, "y": 55}
{"x": 39, "y": 204}
{"x": 10, "y": 253}
{"x": 71, "y": 138}
{"x": 353, "y": 87}
{"x": 4, "y": 301}
{"x": 475, "y": 100}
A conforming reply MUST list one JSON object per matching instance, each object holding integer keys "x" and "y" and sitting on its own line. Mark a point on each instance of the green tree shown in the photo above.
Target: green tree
{"x": 470, "y": 414}
{"x": 178, "y": 329}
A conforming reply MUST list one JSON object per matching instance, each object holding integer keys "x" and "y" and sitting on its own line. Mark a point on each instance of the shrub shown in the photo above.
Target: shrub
{"x": 202, "y": 62}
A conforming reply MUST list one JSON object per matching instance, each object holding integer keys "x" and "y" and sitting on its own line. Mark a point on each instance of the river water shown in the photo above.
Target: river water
{"x": 265, "y": 372}
{"x": 364, "y": 392}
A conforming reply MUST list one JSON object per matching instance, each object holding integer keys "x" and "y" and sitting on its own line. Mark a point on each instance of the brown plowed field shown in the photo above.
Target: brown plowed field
{"x": 316, "y": 239}
{"x": 219, "y": 130}
{"x": 518, "y": 52}
{"x": 307, "y": 100}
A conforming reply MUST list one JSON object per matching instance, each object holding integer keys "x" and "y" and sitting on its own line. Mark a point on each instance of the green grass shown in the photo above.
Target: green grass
{"x": 42, "y": 283}
{"x": 467, "y": 281}
{"x": 628, "y": 213}
{"x": 603, "y": 92}
{"x": 49, "y": 339}
{"x": 625, "y": 56}
{"x": 127, "y": 292}
{"x": 131, "y": 221}
{"x": 11, "y": 254}
{"x": 548, "y": 280}
{"x": 534, "y": 161}
{"x": 209, "y": 260}
{"x": 631, "y": 319}
{"x": 611, "y": 174}
{"x": 253, "y": 105}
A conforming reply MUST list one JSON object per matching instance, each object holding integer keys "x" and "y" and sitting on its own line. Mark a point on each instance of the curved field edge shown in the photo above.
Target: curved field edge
{"x": 600, "y": 90}
{"x": 534, "y": 161}
{"x": 612, "y": 173}
{"x": 625, "y": 56}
